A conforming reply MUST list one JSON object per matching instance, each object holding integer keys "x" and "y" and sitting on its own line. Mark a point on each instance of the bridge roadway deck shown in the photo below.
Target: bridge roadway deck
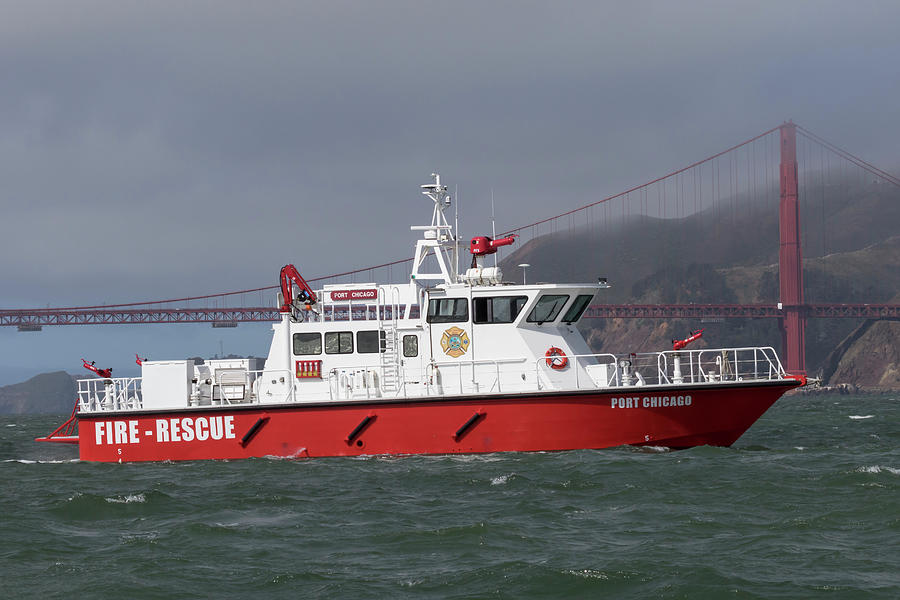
{"x": 34, "y": 318}
{"x": 740, "y": 311}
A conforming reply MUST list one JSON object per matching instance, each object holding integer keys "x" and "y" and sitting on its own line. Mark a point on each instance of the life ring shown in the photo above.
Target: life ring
{"x": 556, "y": 358}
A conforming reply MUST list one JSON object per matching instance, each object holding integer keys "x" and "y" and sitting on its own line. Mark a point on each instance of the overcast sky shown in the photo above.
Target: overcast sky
{"x": 161, "y": 149}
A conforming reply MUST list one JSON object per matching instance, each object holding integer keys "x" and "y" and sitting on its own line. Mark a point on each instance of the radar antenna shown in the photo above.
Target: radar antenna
{"x": 437, "y": 234}
{"x": 442, "y": 201}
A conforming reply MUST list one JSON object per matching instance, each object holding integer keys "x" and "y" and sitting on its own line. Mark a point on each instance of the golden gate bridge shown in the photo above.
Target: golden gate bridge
{"x": 702, "y": 185}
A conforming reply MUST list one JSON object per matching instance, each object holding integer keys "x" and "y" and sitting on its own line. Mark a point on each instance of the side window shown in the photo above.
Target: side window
{"x": 410, "y": 346}
{"x": 338, "y": 342}
{"x": 307, "y": 343}
{"x": 499, "y": 309}
{"x": 547, "y": 308}
{"x": 481, "y": 310}
{"x": 448, "y": 310}
{"x": 370, "y": 342}
{"x": 578, "y": 307}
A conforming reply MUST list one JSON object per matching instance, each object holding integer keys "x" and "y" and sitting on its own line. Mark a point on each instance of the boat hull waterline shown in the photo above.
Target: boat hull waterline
{"x": 679, "y": 417}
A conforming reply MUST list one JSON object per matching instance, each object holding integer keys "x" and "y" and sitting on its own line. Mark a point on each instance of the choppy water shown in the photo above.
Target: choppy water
{"x": 806, "y": 504}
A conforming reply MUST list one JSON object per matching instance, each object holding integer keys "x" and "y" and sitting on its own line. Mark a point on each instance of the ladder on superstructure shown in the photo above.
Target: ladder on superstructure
{"x": 390, "y": 354}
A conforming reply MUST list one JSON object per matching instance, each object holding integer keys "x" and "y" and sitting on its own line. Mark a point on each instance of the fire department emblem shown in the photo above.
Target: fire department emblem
{"x": 455, "y": 342}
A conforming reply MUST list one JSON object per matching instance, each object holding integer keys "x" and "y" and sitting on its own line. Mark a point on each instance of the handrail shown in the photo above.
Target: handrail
{"x": 573, "y": 360}
{"x": 476, "y": 386}
{"x": 686, "y": 366}
{"x": 254, "y": 380}
{"x": 589, "y": 371}
{"x": 119, "y": 393}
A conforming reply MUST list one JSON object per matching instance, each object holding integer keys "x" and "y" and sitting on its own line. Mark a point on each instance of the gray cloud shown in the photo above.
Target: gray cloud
{"x": 162, "y": 149}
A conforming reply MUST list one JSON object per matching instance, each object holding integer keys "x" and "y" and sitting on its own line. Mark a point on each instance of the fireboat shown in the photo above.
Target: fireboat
{"x": 451, "y": 361}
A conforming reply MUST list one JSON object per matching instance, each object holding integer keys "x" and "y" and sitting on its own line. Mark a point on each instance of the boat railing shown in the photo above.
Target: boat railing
{"x": 720, "y": 365}
{"x": 484, "y": 376}
{"x": 739, "y": 364}
{"x": 386, "y": 306}
{"x": 439, "y": 378}
{"x": 249, "y": 387}
{"x": 120, "y": 393}
{"x": 233, "y": 387}
{"x": 596, "y": 371}
{"x": 348, "y": 383}
{"x": 361, "y": 312}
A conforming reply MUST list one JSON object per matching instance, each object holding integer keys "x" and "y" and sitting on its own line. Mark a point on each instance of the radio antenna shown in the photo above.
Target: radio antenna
{"x": 493, "y": 224}
{"x": 456, "y": 233}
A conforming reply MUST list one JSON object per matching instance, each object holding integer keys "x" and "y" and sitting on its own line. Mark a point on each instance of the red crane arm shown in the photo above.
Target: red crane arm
{"x": 289, "y": 276}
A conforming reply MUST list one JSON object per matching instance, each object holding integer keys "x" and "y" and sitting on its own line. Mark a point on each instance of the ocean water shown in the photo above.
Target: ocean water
{"x": 805, "y": 505}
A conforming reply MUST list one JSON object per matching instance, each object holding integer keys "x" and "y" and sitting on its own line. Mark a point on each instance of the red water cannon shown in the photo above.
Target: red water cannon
{"x": 139, "y": 360}
{"x": 289, "y": 276}
{"x": 104, "y": 373}
{"x": 483, "y": 245}
{"x": 680, "y": 344}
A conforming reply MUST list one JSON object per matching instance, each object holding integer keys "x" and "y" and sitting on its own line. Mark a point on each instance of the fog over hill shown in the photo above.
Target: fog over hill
{"x": 728, "y": 253}
{"x": 838, "y": 218}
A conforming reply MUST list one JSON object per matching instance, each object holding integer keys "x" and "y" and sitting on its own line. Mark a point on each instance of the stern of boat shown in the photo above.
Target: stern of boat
{"x": 67, "y": 433}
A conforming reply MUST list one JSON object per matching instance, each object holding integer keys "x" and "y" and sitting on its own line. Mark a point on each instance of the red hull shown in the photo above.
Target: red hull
{"x": 688, "y": 416}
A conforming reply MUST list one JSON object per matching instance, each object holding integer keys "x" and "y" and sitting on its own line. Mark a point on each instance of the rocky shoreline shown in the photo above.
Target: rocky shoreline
{"x": 844, "y": 389}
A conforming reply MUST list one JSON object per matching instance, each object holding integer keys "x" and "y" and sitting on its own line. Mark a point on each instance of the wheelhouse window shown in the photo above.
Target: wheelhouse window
{"x": 370, "y": 342}
{"x": 410, "y": 346}
{"x": 547, "y": 308}
{"x": 307, "y": 343}
{"x": 448, "y": 310}
{"x": 497, "y": 309}
{"x": 578, "y": 307}
{"x": 339, "y": 342}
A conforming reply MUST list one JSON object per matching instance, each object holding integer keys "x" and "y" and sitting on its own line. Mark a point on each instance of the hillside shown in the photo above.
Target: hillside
{"x": 48, "y": 393}
{"x": 872, "y": 360}
{"x": 851, "y": 254}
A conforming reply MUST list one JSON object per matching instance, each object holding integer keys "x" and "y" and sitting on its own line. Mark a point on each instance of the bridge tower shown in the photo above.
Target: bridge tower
{"x": 790, "y": 271}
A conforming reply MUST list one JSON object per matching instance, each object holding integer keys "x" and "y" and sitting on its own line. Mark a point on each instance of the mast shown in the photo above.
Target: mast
{"x": 435, "y": 236}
